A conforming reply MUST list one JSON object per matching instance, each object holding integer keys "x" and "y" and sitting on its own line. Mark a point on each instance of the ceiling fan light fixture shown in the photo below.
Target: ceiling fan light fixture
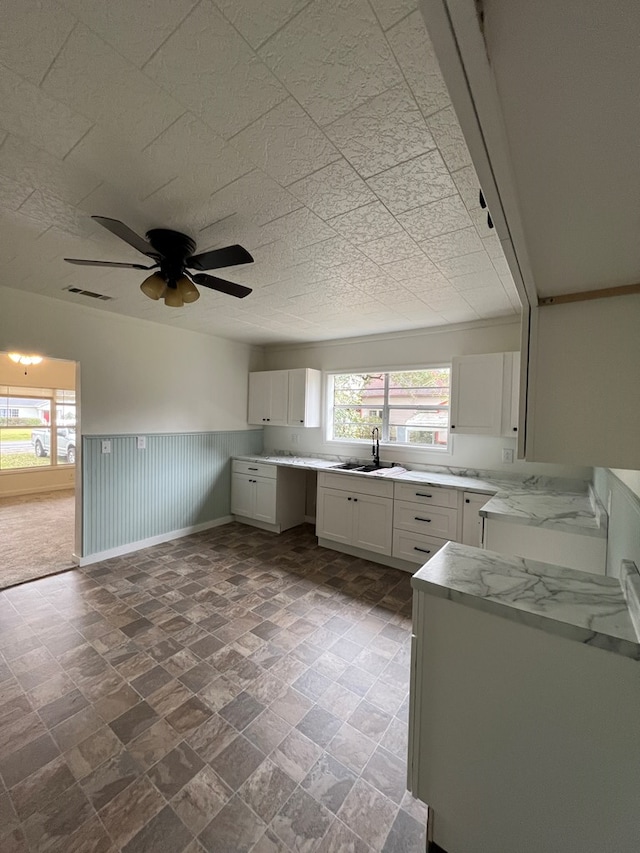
{"x": 154, "y": 286}
{"x": 173, "y": 298}
{"x": 187, "y": 289}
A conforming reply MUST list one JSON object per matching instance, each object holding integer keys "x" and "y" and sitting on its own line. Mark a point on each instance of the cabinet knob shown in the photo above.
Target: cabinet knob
{"x": 467, "y": 501}
{"x": 268, "y": 419}
{"x": 515, "y": 429}
{"x": 355, "y": 500}
{"x": 453, "y": 426}
{"x": 301, "y": 421}
{"x": 349, "y": 499}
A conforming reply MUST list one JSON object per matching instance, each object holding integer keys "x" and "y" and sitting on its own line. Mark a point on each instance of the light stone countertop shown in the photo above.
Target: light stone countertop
{"x": 577, "y": 605}
{"x": 531, "y": 501}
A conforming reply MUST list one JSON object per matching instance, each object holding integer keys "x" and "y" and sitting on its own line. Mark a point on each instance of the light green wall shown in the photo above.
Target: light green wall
{"x": 179, "y": 481}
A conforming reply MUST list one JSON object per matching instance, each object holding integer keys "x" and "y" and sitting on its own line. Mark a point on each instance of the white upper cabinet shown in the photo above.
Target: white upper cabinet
{"x": 285, "y": 397}
{"x": 476, "y": 394}
{"x": 484, "y": 394}
{"x": 304, "y": 397}
{"x": 269, "y": 397}
{"x": 511, "y": 394}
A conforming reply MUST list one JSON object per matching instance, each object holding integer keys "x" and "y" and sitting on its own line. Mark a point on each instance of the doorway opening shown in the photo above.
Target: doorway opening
{"x": 39, "y": 466}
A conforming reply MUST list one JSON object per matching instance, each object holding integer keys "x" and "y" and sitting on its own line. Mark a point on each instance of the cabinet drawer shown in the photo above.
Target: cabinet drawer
{"x": 414, "y": 547}
{"x": 431, "y": 495}
{"x": 431, "y": 521}
{"x": 256, "y": 469}
{"x": 354, "y": 484}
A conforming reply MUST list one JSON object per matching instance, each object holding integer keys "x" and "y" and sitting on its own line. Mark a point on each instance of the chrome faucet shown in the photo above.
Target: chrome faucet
{"x": 375, "y": 448}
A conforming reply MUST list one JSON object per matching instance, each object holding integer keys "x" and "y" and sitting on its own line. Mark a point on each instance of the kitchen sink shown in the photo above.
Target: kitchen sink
{"x": 356, "y": 466}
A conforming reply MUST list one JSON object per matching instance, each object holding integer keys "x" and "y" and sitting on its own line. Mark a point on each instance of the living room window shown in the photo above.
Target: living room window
{"x": 409, "y": 407}
{"x": 37, "y": 427}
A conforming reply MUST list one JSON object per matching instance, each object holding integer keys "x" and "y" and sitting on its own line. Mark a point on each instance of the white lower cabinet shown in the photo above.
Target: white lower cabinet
{"x": 267, "y": 496}
{"x": 424, "y": 519}
{"x": 471, "y": 519}
{"x": 360, "y": 517}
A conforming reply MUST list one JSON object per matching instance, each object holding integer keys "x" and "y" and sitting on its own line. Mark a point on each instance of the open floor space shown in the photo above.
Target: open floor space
{"x": 231, "y": 691}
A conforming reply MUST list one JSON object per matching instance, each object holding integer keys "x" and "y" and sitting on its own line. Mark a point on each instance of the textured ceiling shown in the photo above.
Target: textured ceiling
{"x": 318, "y": 135}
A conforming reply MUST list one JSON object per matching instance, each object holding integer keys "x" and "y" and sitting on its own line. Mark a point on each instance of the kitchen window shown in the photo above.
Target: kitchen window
{"x": 409, "y": 407}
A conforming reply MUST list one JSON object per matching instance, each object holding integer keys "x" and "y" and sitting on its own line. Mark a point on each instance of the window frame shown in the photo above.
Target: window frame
{"x": 387, "y": 407}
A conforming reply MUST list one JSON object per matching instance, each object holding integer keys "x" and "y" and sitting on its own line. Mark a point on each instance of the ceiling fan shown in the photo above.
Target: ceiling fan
{"x": 172, "y": 253}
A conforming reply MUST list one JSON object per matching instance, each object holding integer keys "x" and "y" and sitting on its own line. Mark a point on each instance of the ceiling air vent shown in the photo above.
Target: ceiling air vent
{"x": 89, "y": 293}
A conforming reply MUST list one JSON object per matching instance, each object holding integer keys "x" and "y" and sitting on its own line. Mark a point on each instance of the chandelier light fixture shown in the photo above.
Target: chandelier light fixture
{"x": 26, "y": 360}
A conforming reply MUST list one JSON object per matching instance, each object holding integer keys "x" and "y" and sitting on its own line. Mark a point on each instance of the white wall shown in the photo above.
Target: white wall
{"x": 584, "y": 403}
{"x": 406, "y": 350}
{"x": 136, "y": 376}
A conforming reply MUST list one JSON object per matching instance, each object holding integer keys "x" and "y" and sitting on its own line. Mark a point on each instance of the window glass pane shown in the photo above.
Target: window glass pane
{"x": 413, "y": 426}
{"x": 420, "y": 387}
{"x": 25, "y": 436}
{"x": 355, "y": 424}
{"x": 355, "y": 388}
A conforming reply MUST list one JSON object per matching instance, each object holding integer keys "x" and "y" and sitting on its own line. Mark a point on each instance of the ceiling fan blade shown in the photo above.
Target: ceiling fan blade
{"x": 223, "y": 286}
{"x": 83, "y": 263}
{"x": 229, "y": 256}
{"x": 125, "y": 233}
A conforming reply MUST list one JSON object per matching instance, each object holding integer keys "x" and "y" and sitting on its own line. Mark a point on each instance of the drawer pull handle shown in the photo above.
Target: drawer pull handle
{"x": 253, "y": 469}
{"x": 423, "y": 495}
{"x": 417, "y": 518}
{"x": 349, "y": 499}
{"x": 355, "y": 500}
{"x": 424, "y": 550}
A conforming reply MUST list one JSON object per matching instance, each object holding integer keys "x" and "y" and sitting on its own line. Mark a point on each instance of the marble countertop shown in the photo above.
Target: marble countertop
{"x": 580, "y": 606}
{"x": 528, "y": 501}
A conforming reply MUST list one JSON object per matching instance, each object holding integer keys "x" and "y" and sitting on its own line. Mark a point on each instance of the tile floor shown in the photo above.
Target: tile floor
{"x": 232, "y": 691}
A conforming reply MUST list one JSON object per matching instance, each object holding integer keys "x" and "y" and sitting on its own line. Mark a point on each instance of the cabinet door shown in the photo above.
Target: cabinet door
{"x": 297, "y": 397}
{"x": 515, "y": 393}
{"x": 372, "y": 523}
{"x": 242, "y": 495}
{"x": 511, "y": 394}
{"x": 304, "y": 397}
{"x": 476, "y": 394}
{"x": 471, "y": 520}
{"x": 334, "y": 515}
{"x": 279, "y": 398}
{"x": 264, "y": 508}
{"x": 259, "y": 397}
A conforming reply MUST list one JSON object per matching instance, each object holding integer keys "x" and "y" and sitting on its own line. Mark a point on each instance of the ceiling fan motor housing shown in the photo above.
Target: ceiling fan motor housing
{"x": 174, "y": 248}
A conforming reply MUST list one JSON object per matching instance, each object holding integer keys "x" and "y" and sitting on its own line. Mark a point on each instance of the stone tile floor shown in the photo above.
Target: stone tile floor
{"x": 231, "y": 691}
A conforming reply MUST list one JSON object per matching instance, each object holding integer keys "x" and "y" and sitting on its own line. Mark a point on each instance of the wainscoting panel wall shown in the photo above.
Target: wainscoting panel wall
{"x": 624, "y": 521}
{"x": 177, "y": 482}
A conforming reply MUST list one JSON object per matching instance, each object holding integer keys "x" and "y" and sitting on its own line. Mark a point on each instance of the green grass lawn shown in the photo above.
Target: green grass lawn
{"x": 22, "y": 460}
{"x": 17, "y": 434}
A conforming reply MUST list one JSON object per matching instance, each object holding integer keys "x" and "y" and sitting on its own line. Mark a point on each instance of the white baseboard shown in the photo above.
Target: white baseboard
{"x": 131, "y": 547}
{"x": 38, "y": 490}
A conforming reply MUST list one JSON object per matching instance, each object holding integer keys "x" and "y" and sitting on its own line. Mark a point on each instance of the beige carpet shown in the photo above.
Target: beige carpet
{"x": 36, "y": 536}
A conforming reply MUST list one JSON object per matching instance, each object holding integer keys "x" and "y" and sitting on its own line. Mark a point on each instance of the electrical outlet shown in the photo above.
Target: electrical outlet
{"x": 141, "y": 442}
{"x": 106, "y": 445}
{"x": 295, "y": 438}
{"x": 507, "y": 455}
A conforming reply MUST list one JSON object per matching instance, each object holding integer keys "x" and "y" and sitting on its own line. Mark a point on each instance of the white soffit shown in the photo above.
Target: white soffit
{"x": 318, "y": 135}
{"x": 567, "y": 80}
